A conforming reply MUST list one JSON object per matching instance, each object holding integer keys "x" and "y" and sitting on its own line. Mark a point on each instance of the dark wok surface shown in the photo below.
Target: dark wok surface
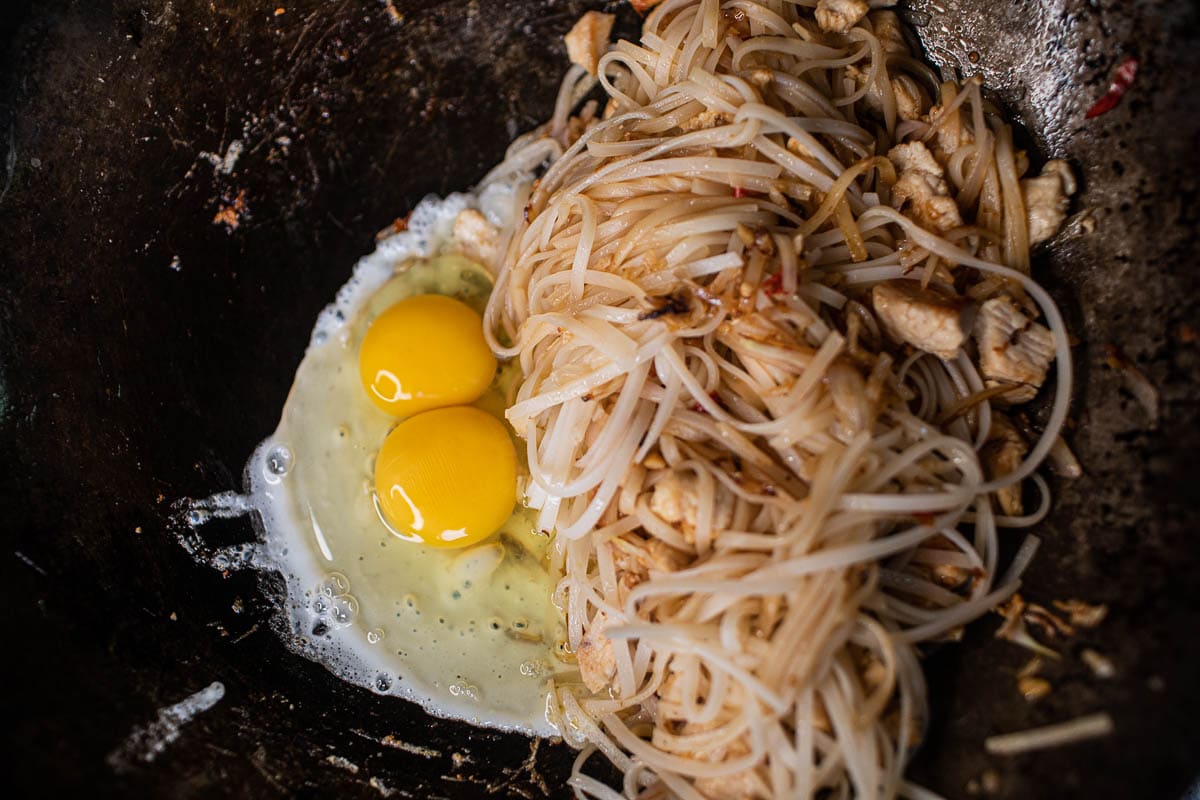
{"x": 126, "y": 383}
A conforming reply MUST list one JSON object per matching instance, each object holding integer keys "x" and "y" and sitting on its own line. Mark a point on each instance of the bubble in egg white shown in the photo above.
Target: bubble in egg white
{"x": 464, "y": 690}
{"x": 278, "y": 461}
{"x": 534, "y": 669}
{"x": 343, "y": 610}
{"x": 335, "y": 583}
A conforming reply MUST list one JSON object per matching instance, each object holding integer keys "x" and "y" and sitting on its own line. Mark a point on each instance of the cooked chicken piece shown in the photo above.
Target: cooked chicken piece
{"x": 860, "y": 75}
{"x": 910, "y": 100}
{"x": 1013, "y": 349}
{"x": 745, "y": 785}
{"x": 478, "y": 239}
{"x": 951, "y": 134}
{"x": 709, "y": 118}
{"x": 950, "y": 576}
{"x": 674, "y": 500}
{"x": 922, "y": 189}
{"x": 928, "y": 320}
{"x": 1004, "y": 451}
{"x": 839, "y": 16}
{"x": 848, "y": 390}
{"x": 915, "y": 157}
{"x": 889, "y": 33}
{"x": 641, "y": 556}
{"x": 595, "y": 656}
{"x": 1047, "y": 198}
{"x": 760, "y": 77}
{"x": 588, "y": 40}
{"x": 636, "y": 558}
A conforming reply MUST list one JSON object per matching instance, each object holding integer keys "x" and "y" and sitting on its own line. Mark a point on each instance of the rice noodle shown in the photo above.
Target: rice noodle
{"x": 1088, "y": 726}
{"x": 756, "y": 495}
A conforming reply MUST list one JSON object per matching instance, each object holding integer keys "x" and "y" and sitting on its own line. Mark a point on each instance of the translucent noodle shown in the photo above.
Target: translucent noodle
{"x": 763, "y": 502}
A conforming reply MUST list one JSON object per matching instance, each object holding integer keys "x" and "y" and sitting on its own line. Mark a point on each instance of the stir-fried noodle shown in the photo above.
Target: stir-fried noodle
{"x": 764, "y": 497}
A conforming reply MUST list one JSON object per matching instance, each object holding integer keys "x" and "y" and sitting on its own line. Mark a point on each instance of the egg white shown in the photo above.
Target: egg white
{"x": 465, "y": 633}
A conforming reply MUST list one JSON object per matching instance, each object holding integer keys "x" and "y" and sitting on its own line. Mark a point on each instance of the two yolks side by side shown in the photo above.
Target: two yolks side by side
{"x": 446, "y": 475}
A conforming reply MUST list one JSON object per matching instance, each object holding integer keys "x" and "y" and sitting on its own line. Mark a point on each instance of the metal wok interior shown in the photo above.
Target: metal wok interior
{"x": 145, "y": 350}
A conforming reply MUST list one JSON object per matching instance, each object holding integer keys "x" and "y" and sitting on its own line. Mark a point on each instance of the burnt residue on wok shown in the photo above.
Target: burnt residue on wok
{"x": 183, "y": 186}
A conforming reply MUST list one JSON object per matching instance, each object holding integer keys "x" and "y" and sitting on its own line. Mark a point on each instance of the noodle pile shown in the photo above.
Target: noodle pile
{"x": 762, "y": 502}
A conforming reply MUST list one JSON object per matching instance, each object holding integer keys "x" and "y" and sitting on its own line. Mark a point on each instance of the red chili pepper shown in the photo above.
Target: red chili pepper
{"x": 739, "y": 192}
{"x": 773, "y": 285}
{"x": 713, "y": 396}
{"x": 1122, "y": 80}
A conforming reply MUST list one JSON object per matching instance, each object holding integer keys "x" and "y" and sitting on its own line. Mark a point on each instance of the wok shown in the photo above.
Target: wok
{"x": 146, "y": 345}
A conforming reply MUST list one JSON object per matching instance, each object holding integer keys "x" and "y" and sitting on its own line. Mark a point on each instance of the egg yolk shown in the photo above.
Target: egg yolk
{"x": 447, "y": 477}
{"x": 425, "y": 352}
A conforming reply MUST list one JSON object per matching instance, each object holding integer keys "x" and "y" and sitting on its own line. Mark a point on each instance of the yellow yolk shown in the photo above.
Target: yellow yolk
{"x": 447, "y": 477}
{"x": 425, "y": 352}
